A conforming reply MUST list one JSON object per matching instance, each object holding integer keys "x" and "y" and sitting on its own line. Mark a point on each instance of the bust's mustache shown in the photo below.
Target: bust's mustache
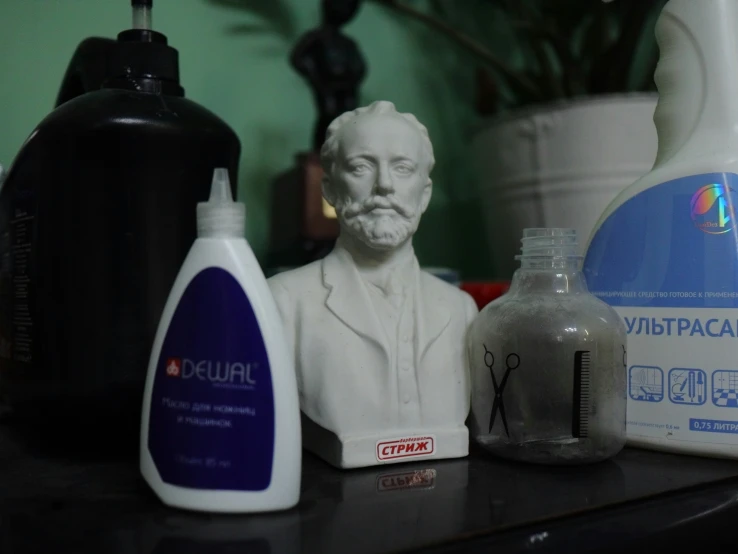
{"x": 354, "y": 209}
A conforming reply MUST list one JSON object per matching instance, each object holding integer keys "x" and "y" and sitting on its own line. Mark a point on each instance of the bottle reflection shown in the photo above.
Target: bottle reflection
{"x": 378, "y": 509}
{"x": 183, "y": 533}
{"x": 520, "y": 493}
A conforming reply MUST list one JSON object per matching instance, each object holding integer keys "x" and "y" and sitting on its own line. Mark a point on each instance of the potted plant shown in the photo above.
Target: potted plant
{"x": 567, "y": 97}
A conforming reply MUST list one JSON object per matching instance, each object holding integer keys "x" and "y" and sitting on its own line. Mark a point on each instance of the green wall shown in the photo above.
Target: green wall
{"x": 234, "y": 62}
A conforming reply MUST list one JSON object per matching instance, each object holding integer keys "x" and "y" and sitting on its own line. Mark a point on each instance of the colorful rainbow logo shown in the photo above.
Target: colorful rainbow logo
{"x": 712, "y": 209}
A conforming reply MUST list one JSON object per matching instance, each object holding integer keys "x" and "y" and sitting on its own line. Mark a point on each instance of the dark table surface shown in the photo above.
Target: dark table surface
{"x": 639, "y": 500}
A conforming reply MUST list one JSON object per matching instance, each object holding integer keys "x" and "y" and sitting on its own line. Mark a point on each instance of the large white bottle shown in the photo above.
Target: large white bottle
{"x": 665, "y": 252}
{"x": 220, "y": 430}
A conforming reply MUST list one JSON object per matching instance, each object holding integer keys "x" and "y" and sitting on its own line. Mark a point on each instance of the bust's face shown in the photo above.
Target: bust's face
{"x": 379, "y": 184}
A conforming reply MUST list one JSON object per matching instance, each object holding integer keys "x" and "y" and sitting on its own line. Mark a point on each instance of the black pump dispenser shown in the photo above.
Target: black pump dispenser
{"x": 140, "y": 60}
{"x": 97, "y": 213}
{"x": 144, "y": 61}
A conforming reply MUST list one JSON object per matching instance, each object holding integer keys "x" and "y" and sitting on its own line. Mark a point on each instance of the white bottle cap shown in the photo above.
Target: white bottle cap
{"x": 220, "y": 216}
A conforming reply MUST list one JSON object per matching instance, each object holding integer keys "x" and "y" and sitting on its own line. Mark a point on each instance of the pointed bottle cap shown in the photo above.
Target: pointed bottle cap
{"x": 220, "y": 216}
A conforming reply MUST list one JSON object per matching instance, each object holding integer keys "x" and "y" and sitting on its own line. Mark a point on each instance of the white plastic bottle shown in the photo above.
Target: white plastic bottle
{"x": 220, "y": 430}
{"x": 665, "y": 252}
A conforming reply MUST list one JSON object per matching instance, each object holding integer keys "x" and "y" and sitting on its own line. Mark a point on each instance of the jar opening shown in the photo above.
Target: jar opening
{"x": 544, "y": 245}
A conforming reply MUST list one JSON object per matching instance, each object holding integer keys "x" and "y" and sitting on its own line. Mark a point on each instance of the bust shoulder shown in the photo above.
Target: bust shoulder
{"x": 293, "y": 280}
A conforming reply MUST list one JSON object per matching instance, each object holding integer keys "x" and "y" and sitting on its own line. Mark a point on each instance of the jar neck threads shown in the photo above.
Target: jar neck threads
{"x": 549, "y": 262}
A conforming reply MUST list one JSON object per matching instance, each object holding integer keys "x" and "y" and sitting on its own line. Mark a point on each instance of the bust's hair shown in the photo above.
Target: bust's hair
{"x": 381, "y": 107}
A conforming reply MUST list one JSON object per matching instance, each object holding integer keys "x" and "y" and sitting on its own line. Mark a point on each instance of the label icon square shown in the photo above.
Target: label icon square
{"x": 687, "y": 386}
{"x": 646, "y": 383}
{"x": 725, "y": 388}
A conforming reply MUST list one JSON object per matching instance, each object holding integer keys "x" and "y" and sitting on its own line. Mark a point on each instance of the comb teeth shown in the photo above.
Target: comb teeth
{"x": 581, "y": 394}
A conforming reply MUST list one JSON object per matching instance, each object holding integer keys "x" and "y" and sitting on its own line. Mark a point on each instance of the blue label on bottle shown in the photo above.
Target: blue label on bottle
{"x": 674, "y": 245}
{"x": 667, "y": 261}
{"x": 212, "y": 407}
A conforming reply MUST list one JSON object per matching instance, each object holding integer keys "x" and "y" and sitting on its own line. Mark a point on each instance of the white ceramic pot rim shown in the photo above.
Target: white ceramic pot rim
{"x": 565, "y": 104}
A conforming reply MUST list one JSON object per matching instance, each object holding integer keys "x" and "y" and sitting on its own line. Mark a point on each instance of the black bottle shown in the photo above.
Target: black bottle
{"x": 97, "y": 214}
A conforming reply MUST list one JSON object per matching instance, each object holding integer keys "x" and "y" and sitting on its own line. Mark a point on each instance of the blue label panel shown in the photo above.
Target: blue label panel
{"x": 673, "y": 245}
{"x": 212, "y": 406}
{"x": 713, "y": 425}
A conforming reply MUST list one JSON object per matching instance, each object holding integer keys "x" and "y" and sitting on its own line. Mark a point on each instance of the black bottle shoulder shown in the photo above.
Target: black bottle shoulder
{"x": 108, "y": 108}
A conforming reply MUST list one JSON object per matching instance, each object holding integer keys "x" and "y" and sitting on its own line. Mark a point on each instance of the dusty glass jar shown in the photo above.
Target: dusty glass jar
{"x": 548, "y": 362}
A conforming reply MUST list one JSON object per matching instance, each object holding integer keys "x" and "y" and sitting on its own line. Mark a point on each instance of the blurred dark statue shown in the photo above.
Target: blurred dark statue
{"x": 332, "y": 64}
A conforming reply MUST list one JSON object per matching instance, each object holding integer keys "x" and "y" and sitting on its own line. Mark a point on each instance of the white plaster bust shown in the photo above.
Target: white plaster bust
{"x": 378, "y": 343}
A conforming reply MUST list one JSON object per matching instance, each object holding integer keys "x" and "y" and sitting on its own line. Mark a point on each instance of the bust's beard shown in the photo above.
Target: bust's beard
{"x": 378, "y": 231}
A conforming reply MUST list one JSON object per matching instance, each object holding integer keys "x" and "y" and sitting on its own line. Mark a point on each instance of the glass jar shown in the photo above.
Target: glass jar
{"x": 548, "y": 362}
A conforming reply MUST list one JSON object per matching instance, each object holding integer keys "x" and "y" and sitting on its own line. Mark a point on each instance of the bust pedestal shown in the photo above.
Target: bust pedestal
{"x": 407, "y": 445}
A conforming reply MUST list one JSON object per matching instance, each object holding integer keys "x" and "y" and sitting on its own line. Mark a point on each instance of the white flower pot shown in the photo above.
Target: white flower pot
{"x": 559, "y": 165}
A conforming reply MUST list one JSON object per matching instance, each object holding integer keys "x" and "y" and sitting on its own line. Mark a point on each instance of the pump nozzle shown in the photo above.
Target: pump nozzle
{"x": 142, "y": 14}
{"x": 220, "y": 216}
